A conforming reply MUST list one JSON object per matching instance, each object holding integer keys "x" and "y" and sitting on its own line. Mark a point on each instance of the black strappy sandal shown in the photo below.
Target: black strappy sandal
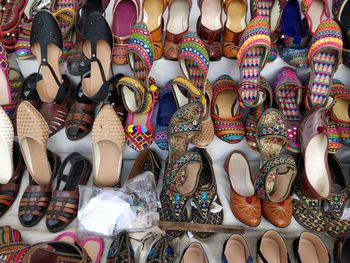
{"x": 97, "y": 46}
{"x": 46, "y": 44}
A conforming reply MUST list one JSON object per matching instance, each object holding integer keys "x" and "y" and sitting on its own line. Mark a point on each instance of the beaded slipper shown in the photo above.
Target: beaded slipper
{"x": 227, "y": 118}
{"x": 288, "y": 96}
{"x": 254, "y": 49}
{"x": 277, "y": 171}
{"x": 324, "y": 57}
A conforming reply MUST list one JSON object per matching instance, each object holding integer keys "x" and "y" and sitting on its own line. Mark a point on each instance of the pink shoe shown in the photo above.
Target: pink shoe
{"x": 69, "y": 237}
{"x": 94, "y": 247}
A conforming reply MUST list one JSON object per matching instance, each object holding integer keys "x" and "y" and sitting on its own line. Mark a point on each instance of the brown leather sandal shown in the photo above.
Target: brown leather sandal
{"x": 64, "y": 203}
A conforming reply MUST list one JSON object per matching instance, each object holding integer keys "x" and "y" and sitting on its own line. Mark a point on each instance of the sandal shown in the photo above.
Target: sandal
{"x": 315, "y": 12}
{"x": 64, "y": 202}
{"x": 339, "y": 111}
{"x": 81, "y": 116}
{"x": 227, "y": 118}
{"x": 254, "y": 49}
{"x": 324, "y": 57}
{"x": 55, "y": 113}
{"x": 9, "y": 191}
{"x": 288, "y": 96}
{"x": 121, "y": 249}
{"x": 254, "y": 115}
{"x": 36, "y": 198}
{"x": 108, "y": 139}
{"x": 5, "y": 89}
{"x": 47, "y": 48}
{"x": 277, "y": 171}
{"x": 207, "y": 206}
{"x": 6, "y": 144}
{"x": 97, "y": 47}
{"x": 125, "y": 15}
{"x": 166, "y": 108}
{"x": 94, "y": 247}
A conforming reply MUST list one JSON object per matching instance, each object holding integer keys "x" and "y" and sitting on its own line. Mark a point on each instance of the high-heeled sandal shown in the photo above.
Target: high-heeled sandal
{"x": 46, "y": 45}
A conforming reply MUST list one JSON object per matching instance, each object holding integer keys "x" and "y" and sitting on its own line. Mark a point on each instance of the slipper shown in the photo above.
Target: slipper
{"x": 9, "y": 235}
{"x": 334, "y": 143}
{"x": 207, "y": 206}
{"x": 5, "y": 89}
{"x": 6, "y": 145}
{"x": 254, "y": 115}
{"x": 121, "y": 249}
{"x": 94, "y": 247}
{"x": 277, "y": 171}
{"x": 161, "y": 251}
{"x": 225, "y": 110}
{"x": 194, "y": 253}
{"x": 339, "y": 112}
{"x": 324, "y": 57}
{"x": 236, "y": 249}
{"x": 108, "y": 139}
{"x": 166, "y": 109}
{"x": 254, "y": 49}
{"x": 288, "y": 96}
{"x": 315, "y": 12}
{"x": 68, "y": 237}
{"x": 279, "y": 214}
{"x": 272, "y": 248}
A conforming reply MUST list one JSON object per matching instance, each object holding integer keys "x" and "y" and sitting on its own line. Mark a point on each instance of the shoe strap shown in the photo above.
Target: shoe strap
{"x": 195, "y": 94}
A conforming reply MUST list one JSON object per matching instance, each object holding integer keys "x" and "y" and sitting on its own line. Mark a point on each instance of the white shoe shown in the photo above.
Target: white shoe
{"x": 6, "y": 147}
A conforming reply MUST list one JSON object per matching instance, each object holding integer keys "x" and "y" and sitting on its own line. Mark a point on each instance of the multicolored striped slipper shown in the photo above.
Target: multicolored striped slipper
{"x": 254, "y": 48}
{"x": 194, "y": 60}
{"x": 324, "y": 57}
{"x": 334, "y": 142}
{"x": 225, "y": 110}
{"x": 9, "y": 235}
{"x": 339, "y": 112}
{"x": 22, "y": 49}
{"x": 5, "y": 88}
{"x": 288, "y": 96}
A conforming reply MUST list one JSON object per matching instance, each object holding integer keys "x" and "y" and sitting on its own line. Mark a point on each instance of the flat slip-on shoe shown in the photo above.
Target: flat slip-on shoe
{"x": 161, "y": 251}
{"x": 272, "y": 248}
{"x": 108, "y": 139}
{"x": 236, "y": 250}
{"x": 279, "y": 214}
{"x": 33, "y": 135}
{"x": 121, "y": 249}
{"x": 5, "y": 89}
{"x": 94, "y": 247}
{"x": 6, "y": 146}
{"x": 194, "y": 253}
{"x": 245, "y": 205}
{"x": 309, "y": 248}
{"x": 341, "y": 249}
{"x": 313, "y": 141}
{"x": 315, "y": 12}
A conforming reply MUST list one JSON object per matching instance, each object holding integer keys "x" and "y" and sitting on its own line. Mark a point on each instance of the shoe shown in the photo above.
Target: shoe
{"x": 315, "y": 12}
{"x": 97, "y": 47}
{"x": 152, "y": 16}
{"x": 5, "y": 89}
{"x": 236, "y": 250}
{"x": 177, "y": 25}
{"x": 94, "y": 247}
{"x": 125, "y": 15}
{"x": 245, "y": 205}
{"x": 341, "y": 249}
{"x": 161, "y": 251}
{"x": 309, "y": 248}
{"x": 313, "y": 141}
{"x": 324, "y": 60}
{"x": 194, "y": 253}
{"x": 47, "y": 48}
{"x": 63, "y": 207}
{"x": 121, "y": 249}
{"x": 6, "y": 145}
{"x": 108, "y": 139}
{"x": 225, "y": 110}
{"x": 254, "y": 48}
{"x": 279, "y": 214}
{"x": 210, "y": 26}
{"x": 277, "y": 171}
{"x": 338, "y": 112}
{"x": 9, "y": 235}
{"x": 236, "y": 22}
{"x": 68, "y": 237}
{"x": 272, "y": 248}
{"x": 288, "y": 96}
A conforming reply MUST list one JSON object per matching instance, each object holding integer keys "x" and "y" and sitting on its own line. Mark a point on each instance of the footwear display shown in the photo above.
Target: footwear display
{"x": 188, "y": 158}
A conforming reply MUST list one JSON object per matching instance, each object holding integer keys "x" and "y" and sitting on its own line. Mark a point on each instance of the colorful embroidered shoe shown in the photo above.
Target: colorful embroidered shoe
{"x": 339, "y": 113}
{"x": 121, "y": 249}
{"x": 288, "y": 96}
{"x": 161, "y": 251}
{"x": 5, "y": 89}
{"x": 316, "y": 12}
{"x": 227, "y": 118}
{"x": 334, "y": 143}
{"x": 254, "y": 49}
{"x": 260, "y": 8}
{"x": 255, "y": 113}
{"x": 166, "y": 108}
{"x": 324, "y": 57}
{"x": 277, "y": 171}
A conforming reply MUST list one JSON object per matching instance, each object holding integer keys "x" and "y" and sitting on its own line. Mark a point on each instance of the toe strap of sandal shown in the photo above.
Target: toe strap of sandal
{"x": 268, "y": 174}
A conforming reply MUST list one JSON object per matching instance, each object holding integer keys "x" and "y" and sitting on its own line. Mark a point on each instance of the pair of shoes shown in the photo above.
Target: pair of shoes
{"x": 245, "y": 203}
{"x": 121, "y": 250}
{"x": 93, "y": 246}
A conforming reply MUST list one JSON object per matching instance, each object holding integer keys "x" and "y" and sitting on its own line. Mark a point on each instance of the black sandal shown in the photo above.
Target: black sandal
{"x": 46, "y": 44}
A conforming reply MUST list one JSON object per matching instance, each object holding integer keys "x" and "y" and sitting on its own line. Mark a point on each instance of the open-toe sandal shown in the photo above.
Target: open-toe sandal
{"x": 288, "y": 97}
{"x": 46, "y": 45}
{"x": 254, "y": 49}
{"x": 225, "y": 110}
{"x": 108, "y": 139}
{"x": 36, "y": 198}
{"x": 64, "y": 203}
{"x": 206, "y": 207}
{"x": 277, "y": 171}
